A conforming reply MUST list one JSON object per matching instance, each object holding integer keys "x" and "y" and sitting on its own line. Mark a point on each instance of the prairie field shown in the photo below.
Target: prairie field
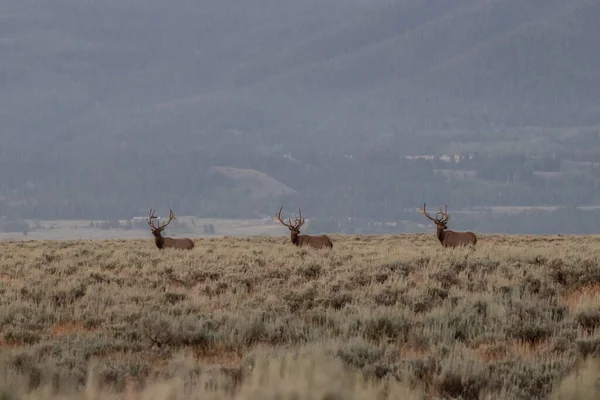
{"x": 376, "y": 317}
{"x": 80, "y": 230}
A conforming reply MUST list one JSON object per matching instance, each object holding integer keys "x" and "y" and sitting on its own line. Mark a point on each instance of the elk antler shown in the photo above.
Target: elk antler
{"x": 295, "y": 225}
{"x": 445, "y": 217}
{"x": 278, "y": 216}
{"x": 299, "y": 220}
{"x": 441, "y": 217}
{"x": 171, "y": 216}
{"x": 151, "y": 216}
{"x": 425, "y": 213}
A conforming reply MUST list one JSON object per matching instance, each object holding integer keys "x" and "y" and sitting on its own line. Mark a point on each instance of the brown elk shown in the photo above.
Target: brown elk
{"x": 318, "y": 242}
{"x": 167, "y": 242}
{"x": 447, "y": 237}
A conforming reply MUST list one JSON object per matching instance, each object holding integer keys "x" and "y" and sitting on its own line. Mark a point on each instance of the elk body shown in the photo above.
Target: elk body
{"x": 447, "y": 237}
{"x": 167, "y": 242}
{"x": 316, "y": 241}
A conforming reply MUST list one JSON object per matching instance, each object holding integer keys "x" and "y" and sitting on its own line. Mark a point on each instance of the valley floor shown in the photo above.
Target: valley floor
{"x": 80, "y": 230}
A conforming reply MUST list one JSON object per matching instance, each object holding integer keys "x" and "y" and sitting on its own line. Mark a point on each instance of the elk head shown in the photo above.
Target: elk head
{"x": 447, "y": 237}
{"x": 162, "y": 242}
{"x": 294, "y": 227}
{"x": 156, "y": 230}
{"x": 441, "y": 218}
{"x": 316, "y": 241}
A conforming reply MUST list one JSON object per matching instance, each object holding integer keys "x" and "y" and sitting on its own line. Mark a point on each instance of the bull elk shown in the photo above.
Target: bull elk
{"x": 167, "y": 242}
{"x": 447, "y": 237}
{"x": 318, "y": 242}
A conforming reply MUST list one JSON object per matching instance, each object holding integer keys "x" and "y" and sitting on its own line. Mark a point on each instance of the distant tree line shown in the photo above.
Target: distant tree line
{"x": 377, "y": 183}
{"x": 566, "y": 221}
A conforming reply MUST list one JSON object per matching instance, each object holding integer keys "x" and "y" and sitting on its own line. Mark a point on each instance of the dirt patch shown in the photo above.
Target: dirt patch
{"x": 511, "y": 349}
{"x": 149, "y": 358}
{"x": 416, "y": 279}
{"x": 69, "y": 328}
{"x": 9, "y": 345}
{"x": 5, "y": 278}
{"x": 413, "y": 353}
{"x": 528, "y": 351}
{"x": 491, "y": 353}
{"x": 219, "y": 355}
{"x": 583, "y": 379}
{"x": 578, "y": 298}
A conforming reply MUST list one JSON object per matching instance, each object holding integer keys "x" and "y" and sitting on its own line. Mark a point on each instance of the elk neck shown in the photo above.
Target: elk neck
{"x": 295, "y": 238}
{"x": 159, "y": 240}
{"x": 441, "y": 233}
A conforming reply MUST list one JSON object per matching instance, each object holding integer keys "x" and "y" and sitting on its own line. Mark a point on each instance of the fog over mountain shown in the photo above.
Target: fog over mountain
{"x": 221, "y": 108}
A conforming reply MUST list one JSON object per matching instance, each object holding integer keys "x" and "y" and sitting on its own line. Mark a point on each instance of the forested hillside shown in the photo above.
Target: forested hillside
{"x": 110, "y": 107}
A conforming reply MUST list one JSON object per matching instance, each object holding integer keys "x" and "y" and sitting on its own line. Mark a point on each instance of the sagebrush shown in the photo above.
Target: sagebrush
{"x": 375, "y": 317}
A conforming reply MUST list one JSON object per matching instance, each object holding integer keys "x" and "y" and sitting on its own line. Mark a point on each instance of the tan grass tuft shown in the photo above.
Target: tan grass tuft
{"x": 63, "y": 329}
{"x": 582, "y": 297}
{"x": 583, "y": 383}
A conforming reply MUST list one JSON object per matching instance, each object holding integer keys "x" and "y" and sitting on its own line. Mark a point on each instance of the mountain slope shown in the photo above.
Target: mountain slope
{"x": 521, "y": 56}
{"x": 71, "y": 68}
{"x": 105, "y": 100}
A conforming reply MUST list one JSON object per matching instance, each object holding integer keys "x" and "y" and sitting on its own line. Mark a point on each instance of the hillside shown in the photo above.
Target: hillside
{"x": 124, "y": 69}
{"x": 509, "y": 63}
{"x": 107, "y": 106}
{"x": 255, "y": 183}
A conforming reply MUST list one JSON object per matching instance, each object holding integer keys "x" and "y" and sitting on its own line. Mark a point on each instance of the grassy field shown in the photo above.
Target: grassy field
{"x": 79, "y": 229}
{"x": 377, "y": 317}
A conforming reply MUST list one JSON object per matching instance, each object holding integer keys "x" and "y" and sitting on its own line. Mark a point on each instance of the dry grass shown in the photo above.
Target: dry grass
{"x": 79, "y": 229}
{"x": 245, "y": 318}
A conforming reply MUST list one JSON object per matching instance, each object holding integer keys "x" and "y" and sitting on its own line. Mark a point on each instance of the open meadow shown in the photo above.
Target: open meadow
{"x": 80, "y": 230}
{"x": 377, "y": 317}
